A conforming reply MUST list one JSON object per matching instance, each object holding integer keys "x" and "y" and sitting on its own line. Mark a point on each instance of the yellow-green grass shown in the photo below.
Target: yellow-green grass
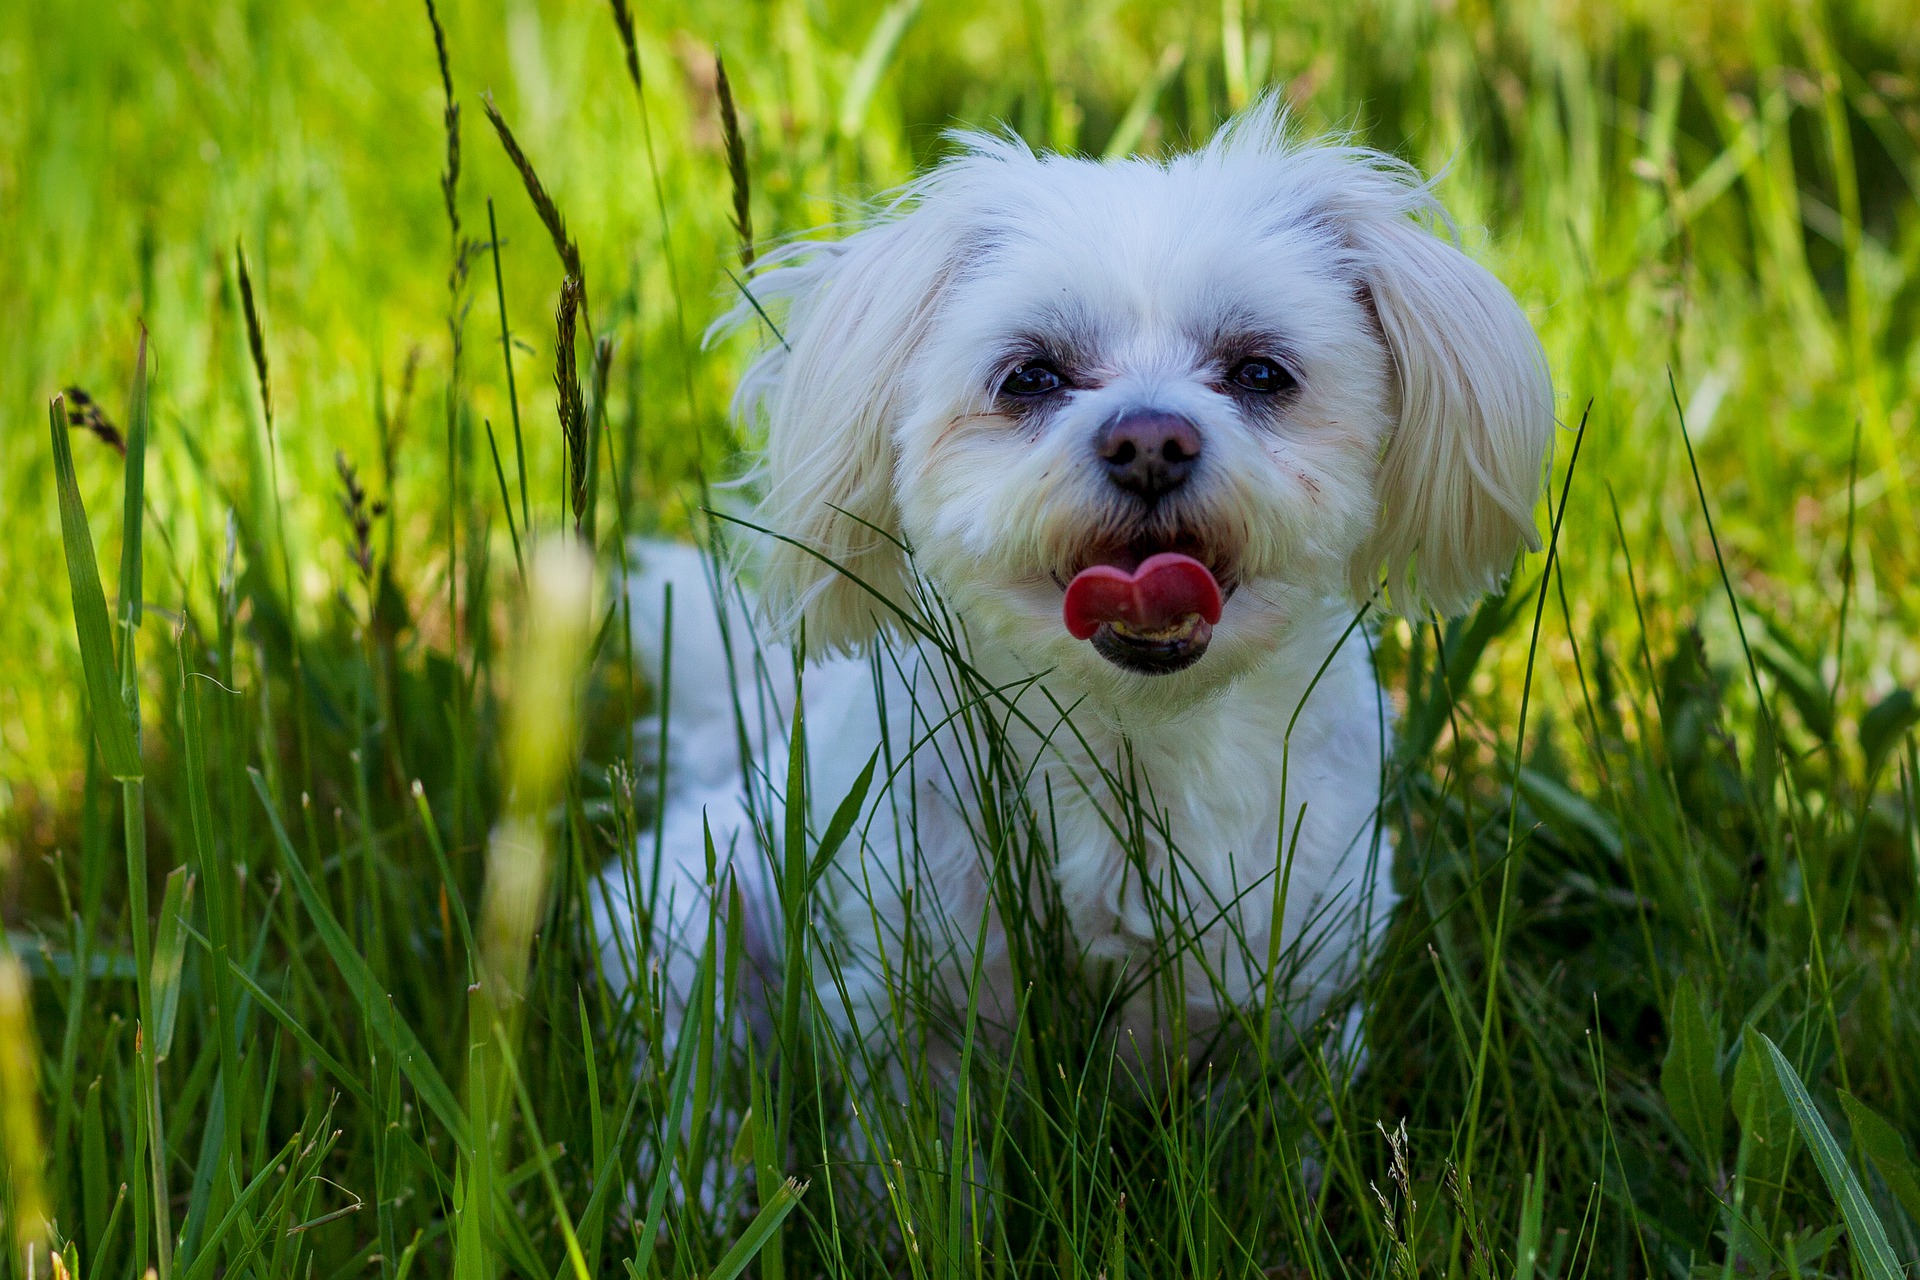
{"x": 1709, "y": 211}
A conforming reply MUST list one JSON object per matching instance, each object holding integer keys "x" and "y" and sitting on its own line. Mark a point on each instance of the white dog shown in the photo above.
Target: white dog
{"x": 1095, "y": 464}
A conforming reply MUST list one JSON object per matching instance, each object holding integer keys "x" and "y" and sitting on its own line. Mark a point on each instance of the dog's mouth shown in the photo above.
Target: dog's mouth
{"x": 1146, "y": 608}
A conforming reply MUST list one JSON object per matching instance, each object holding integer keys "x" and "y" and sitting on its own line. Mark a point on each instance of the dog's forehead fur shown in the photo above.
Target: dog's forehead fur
{"x": 1119, "y": 264}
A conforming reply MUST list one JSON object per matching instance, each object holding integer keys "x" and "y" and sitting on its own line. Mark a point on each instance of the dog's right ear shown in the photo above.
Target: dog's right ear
{"x": 1464, "y": 466}
{"x": 856, "y": 311}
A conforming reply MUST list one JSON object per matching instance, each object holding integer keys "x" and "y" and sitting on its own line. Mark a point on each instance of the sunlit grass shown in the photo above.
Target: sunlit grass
{"x": 1649, "y": 1005}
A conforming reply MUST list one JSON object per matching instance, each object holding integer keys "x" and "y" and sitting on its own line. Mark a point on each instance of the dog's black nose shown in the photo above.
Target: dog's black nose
{"x": 1148, "y": 453}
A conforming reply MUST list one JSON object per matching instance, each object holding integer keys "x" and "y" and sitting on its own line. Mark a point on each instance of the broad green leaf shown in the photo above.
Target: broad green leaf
{"x": 1567, "y": 811}
{"x": 1884, "y": 724}
{"x": 1883, "y": 1145}
{"x": 119, "y": 751}
{"x": 743, "y": 1141}
{"x": 1690, "y": 1077}
{"x": 1766, "y": 1122}
{"x": 1795, "y": 676}
{"x": 169, "y": 955}
{"x": 1870, "y": 1246}
{"x": 1808, "y": 1252}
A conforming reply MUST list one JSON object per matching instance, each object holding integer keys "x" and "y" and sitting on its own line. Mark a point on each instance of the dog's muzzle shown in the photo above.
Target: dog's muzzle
{"x": 1155, "y": 618}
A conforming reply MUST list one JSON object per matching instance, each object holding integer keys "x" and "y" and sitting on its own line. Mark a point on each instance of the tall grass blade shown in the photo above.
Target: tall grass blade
{"x": 395, "y": 1036}
{"x": 112, "y": 728}
{"x": 1133, "y": 125}
{"x": 872, "y": 64}
{"x": 506, "y": 502}
{"x": 133, "y": 509}
{"x": 169, "y": 957}
{"x": 506, "y": 358}
{"x": 1533, "y": 1197}
{"x": 759, "y": 1231}
{"x": 673, "y": 1118}
{"x": 348, "y": 1079}
{"x": 1870, "y": 1246}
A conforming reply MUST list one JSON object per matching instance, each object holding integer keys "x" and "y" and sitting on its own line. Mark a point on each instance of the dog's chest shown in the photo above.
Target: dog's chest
{"x": 1159, "y": 847}
{"x": 1178, "y": 817}
{"x": 1182, "y": 821}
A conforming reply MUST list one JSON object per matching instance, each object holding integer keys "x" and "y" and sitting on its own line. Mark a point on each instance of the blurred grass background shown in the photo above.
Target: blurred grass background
{"x": 1660, "y": 184}
{"x": 1709, "y": 210}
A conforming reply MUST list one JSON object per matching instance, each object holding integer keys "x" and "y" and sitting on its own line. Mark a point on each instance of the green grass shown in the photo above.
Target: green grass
{"x": 295, "y": 844}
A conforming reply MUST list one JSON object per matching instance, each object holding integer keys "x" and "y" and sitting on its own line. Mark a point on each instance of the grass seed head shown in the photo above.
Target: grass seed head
{"x": 736, "y": 162}
{"x": 360, "y": 514}
{"x": 623, "y": 19}
{"x": 256, "y": 336}
{"x": 450, "y": 117}
{"x": 566, "y": 380}
{"x": 84, "y": 411}
{"x": 543, "y": 203}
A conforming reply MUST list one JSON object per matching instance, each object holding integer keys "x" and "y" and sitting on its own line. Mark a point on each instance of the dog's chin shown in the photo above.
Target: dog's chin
{"x": 1154, "y": 653}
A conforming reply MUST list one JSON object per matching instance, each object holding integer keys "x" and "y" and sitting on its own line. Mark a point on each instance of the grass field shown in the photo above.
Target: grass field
{"x": 297, "y": 816}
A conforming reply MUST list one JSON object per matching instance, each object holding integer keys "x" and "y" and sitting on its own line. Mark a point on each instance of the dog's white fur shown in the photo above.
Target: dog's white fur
{"x": 1413, "y": 443}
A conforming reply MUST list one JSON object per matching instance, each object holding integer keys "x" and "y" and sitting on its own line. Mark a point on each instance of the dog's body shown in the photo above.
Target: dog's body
{"x": 1210, "y": 774}
{"x": 1150, "y": 433}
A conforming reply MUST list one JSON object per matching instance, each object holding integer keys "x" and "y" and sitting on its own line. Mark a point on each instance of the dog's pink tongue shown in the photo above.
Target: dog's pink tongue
{"x": 1155, "y": 597}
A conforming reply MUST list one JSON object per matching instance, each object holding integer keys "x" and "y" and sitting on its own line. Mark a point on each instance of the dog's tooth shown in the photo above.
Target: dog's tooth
{"x": 1180, "y": 630}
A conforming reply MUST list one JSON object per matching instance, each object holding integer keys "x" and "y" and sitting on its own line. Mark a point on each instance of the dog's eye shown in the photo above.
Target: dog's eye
{"x": 1034, "y": 378}
{"x": 1261, "y": 375}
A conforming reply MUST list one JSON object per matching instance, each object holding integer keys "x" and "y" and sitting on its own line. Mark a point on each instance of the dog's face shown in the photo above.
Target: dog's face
{"x": 1127, "y": 366}
{"x": 1133, "y": 419}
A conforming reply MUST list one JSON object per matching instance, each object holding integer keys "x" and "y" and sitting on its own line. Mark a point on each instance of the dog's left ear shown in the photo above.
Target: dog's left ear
{"x": 830, "y": 394}
{"x": 1462, "y": 470}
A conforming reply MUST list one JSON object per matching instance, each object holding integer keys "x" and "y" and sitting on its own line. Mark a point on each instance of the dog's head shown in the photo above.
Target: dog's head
{"x": 1133, "y": 418}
